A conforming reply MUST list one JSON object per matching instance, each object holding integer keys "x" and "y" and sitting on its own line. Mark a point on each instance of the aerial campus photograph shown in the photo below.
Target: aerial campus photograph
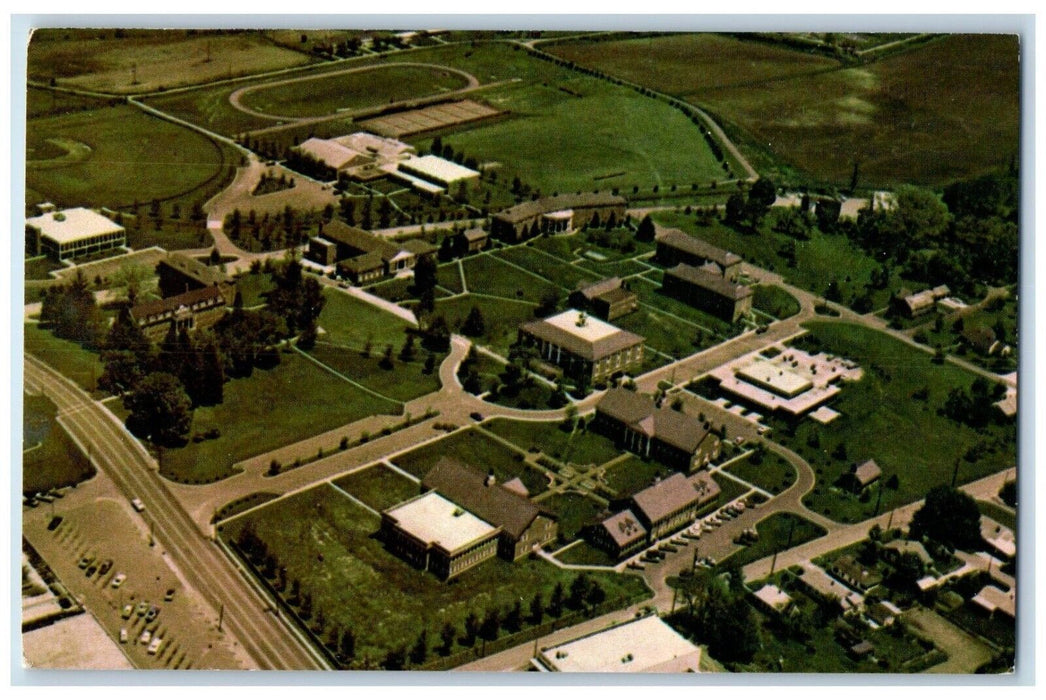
{"x": 522, "y": 350}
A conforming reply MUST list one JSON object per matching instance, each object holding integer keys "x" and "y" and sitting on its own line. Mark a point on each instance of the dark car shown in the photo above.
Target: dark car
{"x": 104, "y": 568}
{"x": 55, "y": 522}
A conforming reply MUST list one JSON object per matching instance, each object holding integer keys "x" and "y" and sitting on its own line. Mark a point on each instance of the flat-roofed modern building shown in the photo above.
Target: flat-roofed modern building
{"x": 558, "y": 214}
{"x": 675, "y": 247}
{"x": 435, "y": 534}
{"x": 582, "y": 346}
{"x": 438, "y": 171}
{"x": 636, "y": 424}
{"x": 73, "y": 233}
{"x": 707, "y": 291}
{"x": 774, "y": 377}
{"x": 646, "y": 645}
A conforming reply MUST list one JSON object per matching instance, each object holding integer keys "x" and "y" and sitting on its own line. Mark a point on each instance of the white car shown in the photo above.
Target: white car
{"x": 155, "y": 645}
{"x": 146, "y": 637}
{"x": 138, "y": 505}
{"x": 123, "y": 635}
{"x": 118, "y": 580}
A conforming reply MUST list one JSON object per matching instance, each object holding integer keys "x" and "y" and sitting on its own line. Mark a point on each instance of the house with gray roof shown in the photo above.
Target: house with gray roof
{"x": 621, "y": 534}
{"x": 707, "y": 291}
{"x": 608, "y": 298}
{"x": 672, "y": 503}
{"x": 672, "y": 437}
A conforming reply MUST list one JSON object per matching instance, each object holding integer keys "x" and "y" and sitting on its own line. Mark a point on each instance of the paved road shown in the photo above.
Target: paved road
{"x": 269, "y": 642}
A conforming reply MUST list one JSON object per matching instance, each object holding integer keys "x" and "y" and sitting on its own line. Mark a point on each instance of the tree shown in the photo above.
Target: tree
{"x": 514, "y": 617}
{"x": 420, "y": 651}
{"x": 537, "y": 609}
{"x": 407, "y": 351}
{"x": 735, "y": 207}
{"x": 446, "y": 636}
{"x": 160, "y": 409}
{"x": 763, "y": 193}
{"x": 646, "y": 229}
{"x": 386, "y": 359}
{"x": 490, "y": 625}
{"x": 578, "y": 591}
{"x": 425, "y": 274}
{"x": 949, "y": 516}
{"x": 555, "y": 603}
{"x": 474, "y": 325}
{"x": 471, "y": 629}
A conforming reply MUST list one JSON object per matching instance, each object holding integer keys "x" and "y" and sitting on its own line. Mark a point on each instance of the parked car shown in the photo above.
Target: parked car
{"x": 86, "y": 562}
{"x": 169, "y": 595}
{"x": 123, "y": 635}
{"x": 143, "y": 607}
{"x": 91, "y": 571}
{"x": 118, "y": 580}
{"x": 155, "y": 645}
{"x": 153, "y": 612}
{"x": 55, "y": 522}
{"x": 128, "y": 610}
{"x": 138, "y": 505}
{"x": 105, "y": 566}
{"x": 146, "y": 637}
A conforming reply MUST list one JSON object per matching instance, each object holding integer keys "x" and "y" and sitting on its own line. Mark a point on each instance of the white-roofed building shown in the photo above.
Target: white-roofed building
{"x": 73, "y": 233}
{"x": 436, "y": 170}
{"x": 647, "y": 645}
{"x": 435, "y": 534}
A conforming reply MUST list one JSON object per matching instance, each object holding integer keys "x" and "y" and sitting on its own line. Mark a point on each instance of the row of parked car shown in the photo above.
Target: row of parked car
{"x": 32, "y": 500}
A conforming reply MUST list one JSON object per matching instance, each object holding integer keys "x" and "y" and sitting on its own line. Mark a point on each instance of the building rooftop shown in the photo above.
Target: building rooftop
{"x": 679, "y": 240}
{"x": 332, "y": 153}
{"x": 709, "y": 281}
{"x": 624, "y": 528}
{"x": 468, "y": 487}
{"x": 775, "y": 377}
{"x": 212, "y": 296}
{"x": 591, "y": 290}
{"x": 360, "y": 240}
{"x": 817, "y": 579}
{"x": 866, "y": 472}
{"x": 371, "y": 144}
{"x": 562, "y": 202}
{"x": 666, "y": 497}
{"x": 994, "y": 599}
{"x": 594, "y": 340}
{"x": 71, "y": 225}
{"x": 773, "y": 597}
{"x": 640, "y": 413}
{"x": 193, "y": 268}
{"x": 439, "y": 169}
{"x": 647, "y": 645}
{"x": 435, "y": 520}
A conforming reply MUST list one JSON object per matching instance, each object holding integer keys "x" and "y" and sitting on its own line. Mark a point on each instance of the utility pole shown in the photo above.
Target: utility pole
{"x": 879, "y": 498}
{"x": 955, "y": 472}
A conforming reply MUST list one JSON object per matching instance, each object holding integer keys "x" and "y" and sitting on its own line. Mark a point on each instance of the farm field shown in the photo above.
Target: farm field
{"x": 924, "y": 447}
{"x": 381, "y": 599}
{"x": 937, "y": 112}
{"x": 138, "y": 61}
{"x": 121, "y": 156}
{"x": 370, "y": 88}
{"x": 269, "y": 409}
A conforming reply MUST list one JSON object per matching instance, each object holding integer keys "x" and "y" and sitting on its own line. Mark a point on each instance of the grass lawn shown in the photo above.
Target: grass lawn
{"x": 69, "y": 358}
{"x": 351, "y": 322}
{"x": 405, "y": 381}
{"x": 654, "y": 302}
{"x": 130, "y": 157}
{"x": 997, "y": 316}
{"x": 477, "y": 450}
{"x": 330, "y": 93}
{"x": 253, "y": 286}
{"x": 449, "y": 277}
{"x": 634, "y": 474}
{"x": 772, "y": 472}
{"x": 775, "y": 301}
{"x": 378, "y": 486}
{"x": 562, "y": 274}
{"x": 773, "y": 537}
{"x": 502, "y": 318}
{"x": 923, "y": 446}
{"x": 729, "y": 489}
{"x": 486, "y": 274}
{"x": 50, "y": 458}
{"x": 579, "y": 446}
{"x": 998, "y": 514}
{"x": 665, "y": 333}
{"x": 818, "y": 116}
{"x": 574, "y": 512}
{"x": 584, "y": 553}
{"x": 169, "y": 237}
{"x": 40, "y": 268}
{"x": 269, "y": 409}
{"x": 384, "y": 601}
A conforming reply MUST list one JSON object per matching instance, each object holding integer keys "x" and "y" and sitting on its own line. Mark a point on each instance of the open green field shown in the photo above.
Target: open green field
{"x": 774, "y": 537}
{"x": 350, "y": 322}
{"x": 169, "y": 236}
{"x": 729, "y": 488}
{"x": 40, "y": 268}
{"x": 586, "y": 554}
{"x": 129, "y": 61}
{"x": 577, "y": 446}
{"x": 370, "y": 88}
{"x": 939, "y": 111}
{"x": 69, "y": 358}
{"x": 923, "y": 447}
{"x": 405, "y": 381}
{"x": 634, "y": 474}
{"x": 385, "y": 602}
{"x": 502, "y": 318}
{"x": 126, "y": 156}
{"x": 562, "y": 274}
{"x": 378, "y": 486}
{"x": 772, "y": 473}
{"x": 487, "y": 274}
{"x": 50, "y": 459}
{"x": 476, "y": 449}
{"x": 41, "y": 102}
{"x": 771, "y": 299}
{"x": 269, "y": 409}
{"x": 818, "y": 260}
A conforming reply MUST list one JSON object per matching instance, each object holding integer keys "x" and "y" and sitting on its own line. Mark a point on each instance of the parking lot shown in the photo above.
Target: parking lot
{"x": 128, "y": 584}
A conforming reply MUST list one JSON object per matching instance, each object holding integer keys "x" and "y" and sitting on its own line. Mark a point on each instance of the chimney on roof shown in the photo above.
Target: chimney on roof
{"x": 491, "y": 479}
{"x": 582, "y": 319}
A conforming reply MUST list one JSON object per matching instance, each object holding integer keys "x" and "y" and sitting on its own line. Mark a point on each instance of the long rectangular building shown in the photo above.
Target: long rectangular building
{"x": 582, "y": 346}
{"x": 73, "y": 233}
{"x": 557, "y": 214}
{"x": 707, "y": 291}
{"x": 675, "y": 247}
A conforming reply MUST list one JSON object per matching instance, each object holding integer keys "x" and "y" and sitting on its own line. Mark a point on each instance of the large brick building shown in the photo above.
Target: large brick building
{"x": 636, "y": 424}
{"x": 190, "y": 311}
{"x": 707, "y": 291}
{"x": 675, "y": 247}
{"x": 585, "y": 348}
{"x": 557, "y": 214}
{"x": 609, "y": 298}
